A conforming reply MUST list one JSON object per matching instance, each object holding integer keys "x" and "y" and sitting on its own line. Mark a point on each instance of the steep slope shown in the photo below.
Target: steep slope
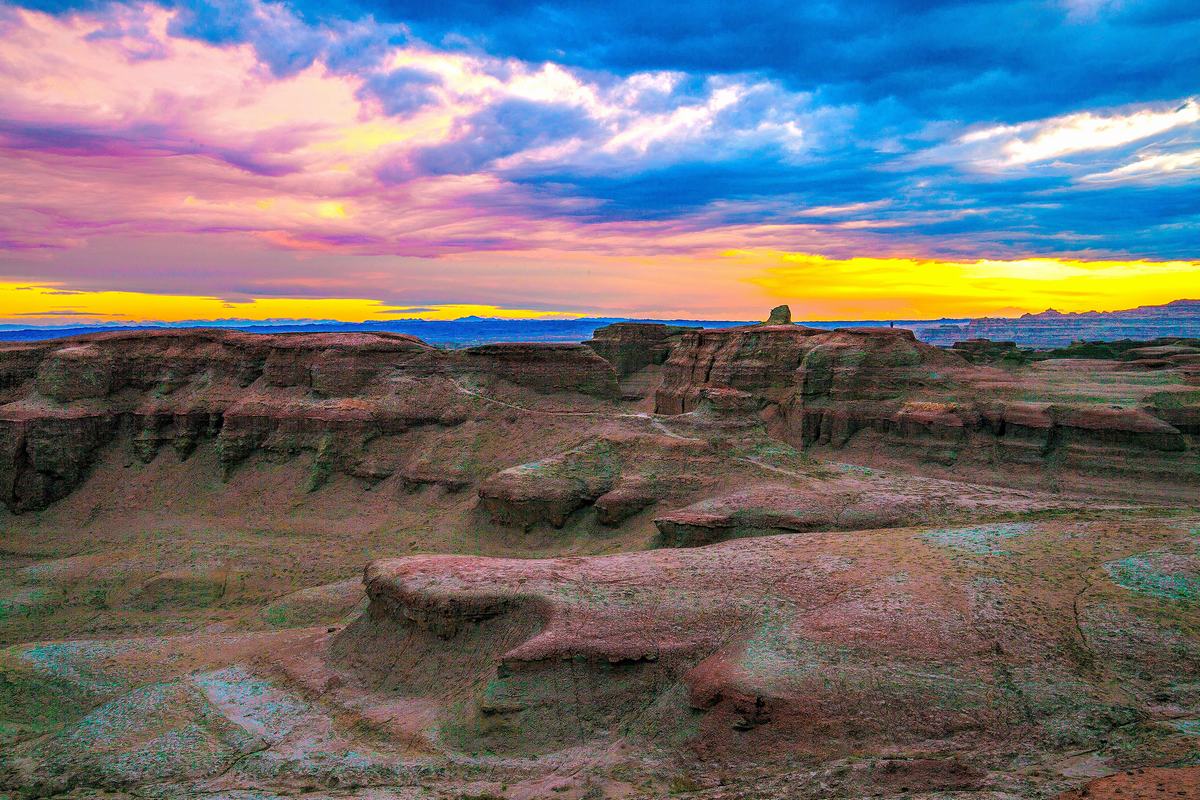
{"x": 880, "y": 392}
{"x": 337, "y": 396}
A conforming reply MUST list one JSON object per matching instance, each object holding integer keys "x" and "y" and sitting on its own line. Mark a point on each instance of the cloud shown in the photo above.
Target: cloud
{"x": 64, "y": 312}
{"x": 401, "y": 91}
{"x": 1015, "y": 145}
{"x": 248, "y": 148}
{"x": 496, "y": 131}
{"x": 1151, "y": 168}
{"x": 1010, "y": 60}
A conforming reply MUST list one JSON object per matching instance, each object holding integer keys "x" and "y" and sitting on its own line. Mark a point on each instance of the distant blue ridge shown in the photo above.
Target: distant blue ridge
{"x": 451, "y": 333}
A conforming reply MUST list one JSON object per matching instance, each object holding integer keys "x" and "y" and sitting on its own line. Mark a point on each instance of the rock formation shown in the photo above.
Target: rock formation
{"x": 771, "y": 646}
{"x": 1052, "y": 328}
{"x": 331, "y": 395}
{"x": 632, "y": 346}
{"x": 845, "y": 502}
{"x": 881, "y": 389}
{"x": 780, "y": 315}
{"x": 835, "y": 564}
{"x": 618, "y": 474}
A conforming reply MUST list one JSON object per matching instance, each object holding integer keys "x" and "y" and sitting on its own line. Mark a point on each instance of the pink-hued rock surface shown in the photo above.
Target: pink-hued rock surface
{"x": 760, "y": 562}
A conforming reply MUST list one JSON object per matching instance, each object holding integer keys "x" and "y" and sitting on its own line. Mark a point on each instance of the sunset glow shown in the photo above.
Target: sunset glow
{"x": 164, "y": 162}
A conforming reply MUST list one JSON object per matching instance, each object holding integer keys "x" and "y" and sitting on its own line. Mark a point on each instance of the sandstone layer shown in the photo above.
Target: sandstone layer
{"x": 881, "y": 390}
{"x": 336, "y": 396}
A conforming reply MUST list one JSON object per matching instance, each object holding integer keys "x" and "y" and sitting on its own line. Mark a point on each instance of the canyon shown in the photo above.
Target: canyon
{"x": 761, "y": 561}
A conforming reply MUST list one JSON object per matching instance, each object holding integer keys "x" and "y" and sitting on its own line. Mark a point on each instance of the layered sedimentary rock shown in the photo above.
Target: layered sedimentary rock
{"x": 330, "y": 395}
{"x": 780, "y": 315}
{"x": 619, "y": 474}
{"x": 881, "y": 388}
{"x": 1013, "y": 659}
{"x": 631, "y": 346}
{"x": 847, "y": 502}
{"x": 985, "y": 351}
{"x": 545, "y": 367}
{"x": 764, "y": 648}
{"x": 1052, "y": 328}
{"x": 870, "y": 632}
{"x": 779, "y": 363}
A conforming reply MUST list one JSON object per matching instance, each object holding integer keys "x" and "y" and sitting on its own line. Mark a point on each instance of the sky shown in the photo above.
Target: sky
{"x": 378, "y": 159}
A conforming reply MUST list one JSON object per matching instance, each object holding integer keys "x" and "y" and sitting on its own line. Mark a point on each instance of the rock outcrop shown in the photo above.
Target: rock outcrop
{"x": 342, "y": 401}
{"x": 328, "y": 395}
{"x": 881, "y": 389}
{"x": 632, "y": 346}
{"x": 551, "y": 368}
{"x": 780, "y": 315}
{"x": 849, "y": 502}
{"x": 770, "y": 647}
{"x": 1055, "y": 329}
{"x": 619, "y": 474}
{"x": 985, "y": 351}
{"x": 779, "y": 365}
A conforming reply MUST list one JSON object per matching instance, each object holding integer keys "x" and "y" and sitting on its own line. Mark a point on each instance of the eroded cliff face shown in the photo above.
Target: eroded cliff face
{"x": 777, "y": 363}
{"x": 880, "y": 389}
{"x": 631, "y": 346}
{"x": 330, "y": 395}
{"x": 346, "y": 400}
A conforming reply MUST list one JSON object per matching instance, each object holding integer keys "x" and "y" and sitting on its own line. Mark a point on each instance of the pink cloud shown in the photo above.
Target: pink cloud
{"x": 134, "y": 159}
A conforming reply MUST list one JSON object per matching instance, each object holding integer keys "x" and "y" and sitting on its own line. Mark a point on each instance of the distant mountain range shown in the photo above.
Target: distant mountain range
{"x": 1048, "y": 328}
{"x": 452, "y": 333}
{"x": 1052, "y": 328}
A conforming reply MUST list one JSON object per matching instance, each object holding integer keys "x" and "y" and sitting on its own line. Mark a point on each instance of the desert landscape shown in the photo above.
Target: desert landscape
{"x": 767, "y": 561}
{"x": 599, "y": 400}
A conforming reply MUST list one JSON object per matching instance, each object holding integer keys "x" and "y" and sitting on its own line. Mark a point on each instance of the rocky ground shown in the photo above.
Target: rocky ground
{"x": 762, "y": 562}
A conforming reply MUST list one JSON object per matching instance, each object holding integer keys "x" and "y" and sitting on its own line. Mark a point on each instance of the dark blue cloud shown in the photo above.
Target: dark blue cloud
{"x": 499, "y": 130}
{"x": 283, "y": 42}
{"x": 288, "y": 37}
{"x": 401, "y": 91}
{"x": 914, "y": 73}
{"x": 688, "y": 188}
{"x": 959, "y": 58}
{"x": 966, "y": 60}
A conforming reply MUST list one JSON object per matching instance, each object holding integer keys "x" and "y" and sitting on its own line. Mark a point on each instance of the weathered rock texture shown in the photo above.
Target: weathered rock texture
{"x": 1054, "y": 329}
{"x": 780, "y": 315}
{"x": 618, "y": 474}
{"x": 871, "y": 632}
{"x": 881, "y": 389}
{"x": 848, "y": 502}
{"x": 985, "y": 351}
{"x": 631, "y": 346}
{"x": 334, "y": 396}
{"x": 768, "y": 648}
